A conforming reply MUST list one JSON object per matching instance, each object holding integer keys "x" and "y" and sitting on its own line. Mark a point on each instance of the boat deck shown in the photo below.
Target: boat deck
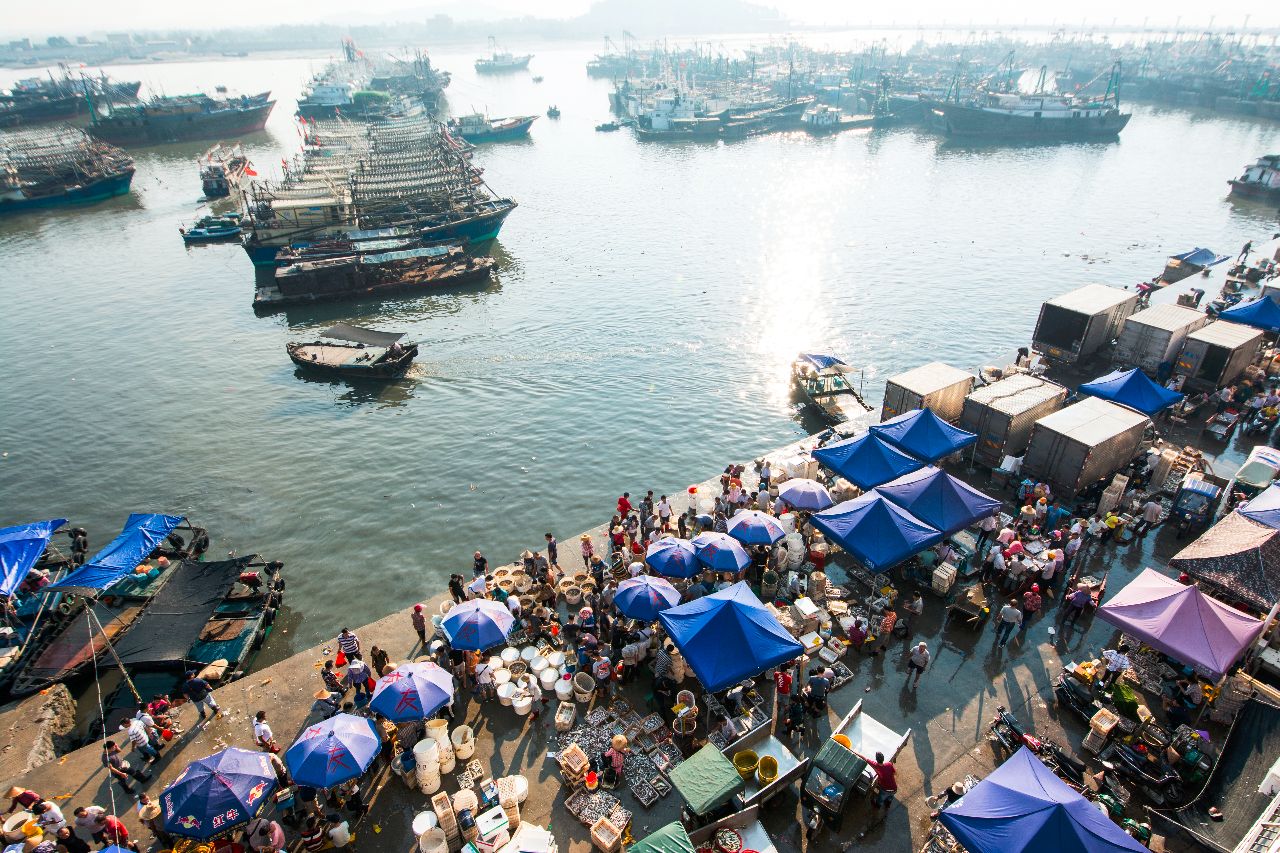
{"x": 329, "y": 355}
{"x": 73, "y": 648}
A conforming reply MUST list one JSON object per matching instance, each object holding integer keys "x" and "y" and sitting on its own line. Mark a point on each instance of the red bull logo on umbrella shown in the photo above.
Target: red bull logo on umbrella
{"x": 256, "y": 792}
{"x": 189, "y": 822}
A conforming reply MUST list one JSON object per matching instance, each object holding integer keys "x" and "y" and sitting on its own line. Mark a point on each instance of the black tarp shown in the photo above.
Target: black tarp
{"x": 1250, "y": 750}
{"x": 1239, "y": 559}
{"x": 172, "y": 622}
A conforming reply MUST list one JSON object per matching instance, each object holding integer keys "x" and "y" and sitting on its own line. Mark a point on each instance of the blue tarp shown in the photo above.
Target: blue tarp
{"x": 939, "y": 500}
{"x": 866, "y": 460}
{"x": 20, "y": 548}
{"x": 877, "y": 532}
{"x": 140, "y": 536}
{"x": 1133, "y": 389}
{"x": 1261, "y": 313}
{"x": 822, "y": 360}
{"x": 1021, "y": 806}
{"x": 1201, "y": 257}
{"x": 1264, "y": 509}
{"x": 924, "y": 435}
{"x": 733, "y": 620}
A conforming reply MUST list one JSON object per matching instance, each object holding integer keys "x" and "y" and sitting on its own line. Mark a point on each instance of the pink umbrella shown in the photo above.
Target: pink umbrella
{"x": 1181, "y": 621}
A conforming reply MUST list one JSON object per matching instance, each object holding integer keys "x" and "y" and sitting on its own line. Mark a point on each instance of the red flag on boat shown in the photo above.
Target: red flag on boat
{"x": 248, "y": 170}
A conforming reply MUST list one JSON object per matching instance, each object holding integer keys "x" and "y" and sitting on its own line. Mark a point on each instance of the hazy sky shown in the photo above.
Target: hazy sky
{"x": 73, "y": 17}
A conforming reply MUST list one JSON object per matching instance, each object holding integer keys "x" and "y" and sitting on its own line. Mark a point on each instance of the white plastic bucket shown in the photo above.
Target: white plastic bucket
{"x": 433, "y": 841}
{"x": 447, "y": 759}
{"x": 556, "y": 660}
{"x": 510, "y": 655}
{"x": 564, "y": 689}
{"x": 495, "y": 663}
{"x": 522, "y": 704}
{"x": 464, "y": 742}
{"x": 429, "y": 786}
{"x": 584, "y": 687}
{"x": 548, "y": 678}
{"x": 537, "y": 664}
{"x": 506, "y": 692}
{"x": 424, "y": 821}
{"x": 439, "y": 730}
{"x": 573, "y": 594}
{"x": 426, "y": 753}
{"x": 528, "y": 653}
{"x": 501, "y": 676}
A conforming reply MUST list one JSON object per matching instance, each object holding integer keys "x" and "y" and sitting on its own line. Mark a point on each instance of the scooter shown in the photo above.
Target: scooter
{"x": 1008, "y": 731}
{"x": 1075, "y": 696}
{"x": 1261, "y": 425}
{"x": 1160, "y": 782}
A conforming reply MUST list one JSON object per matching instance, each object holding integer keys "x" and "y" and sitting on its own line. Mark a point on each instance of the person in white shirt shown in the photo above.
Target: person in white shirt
{"x": 262, "y": 734}
{"x": 1010, "y": 618}
{"x": 49, "y": 817}
{"x": 1152, "y": 512}
{"x": 635, "y": 569}
{"x": 1117, "y": 662}
{"x": 478, "y": 587}
{"x": 339, "y": 833}
{"x": 664, "y": 512}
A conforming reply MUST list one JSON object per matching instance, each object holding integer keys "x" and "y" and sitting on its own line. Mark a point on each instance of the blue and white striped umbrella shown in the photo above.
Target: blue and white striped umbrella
{"x": 645, "y": 597}
{"x": 803, "y": 493}
{"x": 477, "y": 625}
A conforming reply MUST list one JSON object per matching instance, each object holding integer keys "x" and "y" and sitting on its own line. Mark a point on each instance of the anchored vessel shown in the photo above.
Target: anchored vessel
{"x": 501, "y": 61}
{"x": 221, "y": 168}
{"x": 480, "y": 128}
{"x": 355, "y": 352}
{"x": 182, "y": 118}
{"x": 822, "y": 382}
{"x": 46, "y": 167}
{"x": 1261, "y": 180}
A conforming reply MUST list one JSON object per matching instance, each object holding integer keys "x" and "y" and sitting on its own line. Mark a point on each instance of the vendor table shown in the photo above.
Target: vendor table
{"x": 972, "y": 604}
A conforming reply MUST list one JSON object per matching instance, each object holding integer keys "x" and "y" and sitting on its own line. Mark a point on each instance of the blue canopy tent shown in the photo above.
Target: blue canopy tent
{"x": 1262, "y": 313}
{"x": 924, "y": 435}
{"x": 20, "y": 547}
{"x": 1265, "y": 508}
{"x": 1022, "y": 806}
{"x": 877, "y": 532}
{"x": 1132, "y": 389}
{"x": 825, "y": 361}
{"x": 732, "y": 619}
{"x": 866, "y": 460}
{"x": 140, "y": 536}
{"x": 939, "y": 499}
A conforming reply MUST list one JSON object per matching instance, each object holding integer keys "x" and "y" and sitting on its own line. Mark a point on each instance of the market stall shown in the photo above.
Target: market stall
{"x": 866, "y": 460}
{"x": 1023, "y": 806}
{"x": 1132, "y": 389}
{"x": 749, "y": 834}
{"x": 707, "y": 781}
{"x": 840, "y": 766}
{"x": 1238, "y": 559}
{"x": 924, "y": 435}
{"x": 876, "y": 531}
{"x": 940, "y": 500}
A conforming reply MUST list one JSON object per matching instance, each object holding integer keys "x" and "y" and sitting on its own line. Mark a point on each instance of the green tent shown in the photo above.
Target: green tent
{"x": 670, "y": 839}
{"x": 706, "y": 779}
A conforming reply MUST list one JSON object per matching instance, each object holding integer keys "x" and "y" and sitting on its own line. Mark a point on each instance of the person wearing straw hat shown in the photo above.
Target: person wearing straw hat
{"x": 20, "y": 796}
{"x": 615, "y": 758}
{"x": 149, "y": 816}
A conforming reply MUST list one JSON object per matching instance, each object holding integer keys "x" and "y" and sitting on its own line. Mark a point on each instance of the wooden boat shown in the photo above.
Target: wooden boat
{"x": 822, "y": 383}
{"x": 210, "y": 234}
{"x": 553, "y": 112}
{"x": 608, "y": 127}
{"x": 366, "y": 354}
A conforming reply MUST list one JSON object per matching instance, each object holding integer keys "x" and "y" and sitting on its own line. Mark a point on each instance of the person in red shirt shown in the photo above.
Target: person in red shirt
{"x": 782, "y": 680}
{"x": 115, "y": 832}
{"x": 20, "y": 796}
{"x": 886, "y": 781}
{"x": 624, "y": 504}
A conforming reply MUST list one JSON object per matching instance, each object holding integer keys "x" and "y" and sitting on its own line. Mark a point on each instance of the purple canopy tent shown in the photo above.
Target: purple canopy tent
{"x": 1182, "y": 622}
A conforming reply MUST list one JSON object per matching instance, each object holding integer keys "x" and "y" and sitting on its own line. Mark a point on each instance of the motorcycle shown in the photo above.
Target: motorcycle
{"x": 1261, "y": 425}
{"x": 1155, "y": 778}
{"x": 1006, "y": 729}
{"x": 1075, "y": 696}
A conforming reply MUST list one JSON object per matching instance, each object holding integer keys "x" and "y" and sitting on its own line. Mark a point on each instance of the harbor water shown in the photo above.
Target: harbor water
{"x": 649, "y": 301}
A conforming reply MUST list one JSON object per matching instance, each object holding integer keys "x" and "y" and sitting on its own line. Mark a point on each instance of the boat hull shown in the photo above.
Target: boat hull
{"x": 972, "y": 123}
{"x": 488, "y": 66}
{"x": 269, "y": 299}
{"x": 514, "y": 131}
{"x": 100, "y": 190}
{"x": 383, "y": 370}
{"x": 50, "y": 109}
{"x": 122, "y": 129}
{"x": 1245, "y": 189}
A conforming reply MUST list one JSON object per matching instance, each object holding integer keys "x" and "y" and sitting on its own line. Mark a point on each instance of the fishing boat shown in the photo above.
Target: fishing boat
{"x": 182, "y": 118}
{"x": 477, "y": 127}
{"x": 223, "y": 233}
{"x": 47, "y": 167}
{"x": 553, "y": 112}
{"x": 1037, "y": 117}
{"x": 1261, "y": 180}
{"x": 359, "y": 276}
{"x": 30, "y": 562}
{"x": 608, "y": 127}
{"x": 332, "y": 92}
{"x": 821, "y": 381}
{"x": 105, "y": 597}
{"x": 210, "y": 617}
{"x": 221, "y": 169}
{"x": 363, "y": 353}
{"x": 501, "y": 62}
{"x": 537, "y": 78}
{"x": 1187, "y": 264}
{"x": 822, "y": 119}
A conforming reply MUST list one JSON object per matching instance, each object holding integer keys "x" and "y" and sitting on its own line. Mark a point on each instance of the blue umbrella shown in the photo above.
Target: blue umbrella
{"x": 675, "y": 558}
{"x": 721, "y": 552}
{"x": 334, "y": 751}
{"x": 477, "y": 625}
{"x": 803, "y": 493}
{"x": 753, "y": 527}
{"x": 645, "y": 597}
{"x": 412, "y": 691}
{"x": 214, "y": 795}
